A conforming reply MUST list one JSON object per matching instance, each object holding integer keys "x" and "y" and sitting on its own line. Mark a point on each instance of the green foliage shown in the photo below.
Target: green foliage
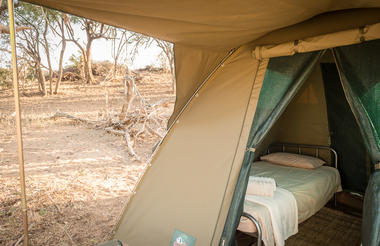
{"x": 30, "y": 73}
{"x": 29, "y": 15}
{"x": 75, "y": 60}
{"x": 5, "y": 78}
{"x": 42, "y": 212}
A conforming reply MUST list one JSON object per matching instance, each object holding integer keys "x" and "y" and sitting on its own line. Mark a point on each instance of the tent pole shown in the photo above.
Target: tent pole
{"x": 18, "y": 121}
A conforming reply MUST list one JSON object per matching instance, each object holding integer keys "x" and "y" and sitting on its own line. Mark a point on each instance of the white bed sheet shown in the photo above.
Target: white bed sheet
{"x": 312, "y": 188}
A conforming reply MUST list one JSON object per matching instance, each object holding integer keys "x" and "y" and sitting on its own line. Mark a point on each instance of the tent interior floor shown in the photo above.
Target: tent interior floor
{"x": 329, "y": 227}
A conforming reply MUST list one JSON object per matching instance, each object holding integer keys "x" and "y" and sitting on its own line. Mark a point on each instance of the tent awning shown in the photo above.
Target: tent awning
{"x": 226, "y": 24}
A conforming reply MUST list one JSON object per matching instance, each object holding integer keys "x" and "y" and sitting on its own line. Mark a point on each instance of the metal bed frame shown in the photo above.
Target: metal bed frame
{"x": 299, "y": 147}
{"x": 307, "y": 146}
{"x": 256, "y": 223}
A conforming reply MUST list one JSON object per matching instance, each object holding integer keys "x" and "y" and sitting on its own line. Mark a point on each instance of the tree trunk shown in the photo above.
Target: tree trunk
{"x": 60, "y": 69}
{"x": 41, "y": 79}
{"x": 87, "y": 63}
{"x": 60, "y": 66}
{"x": 172, "y": 73}
{"x": 115, "y": 68}
{"x": 129, "y": 96}
{"x": 50, "y": 73}
{"x": 47, "y": 52}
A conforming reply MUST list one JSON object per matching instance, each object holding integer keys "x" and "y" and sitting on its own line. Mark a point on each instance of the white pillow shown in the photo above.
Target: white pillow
{"x": 293, "y": 160}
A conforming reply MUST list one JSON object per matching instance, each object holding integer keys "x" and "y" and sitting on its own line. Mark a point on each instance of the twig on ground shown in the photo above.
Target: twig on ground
{"x": 67, "y": 234}
{"x": 153, "y": 132}
{"x": 22, "y": 236}
{"x": 60, "y": 212}
{"x": 69, "y": 116}
{"x": 130, "y": 146}
{"x": 113, "y": 131}
{"x": 56, "y": 206}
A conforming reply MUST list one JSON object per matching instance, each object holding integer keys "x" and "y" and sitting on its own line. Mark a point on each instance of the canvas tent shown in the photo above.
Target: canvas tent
{"x": 238, "y": 65}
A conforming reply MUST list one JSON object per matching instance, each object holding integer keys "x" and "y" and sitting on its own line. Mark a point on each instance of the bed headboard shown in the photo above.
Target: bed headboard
{"x": 298, "y": 148}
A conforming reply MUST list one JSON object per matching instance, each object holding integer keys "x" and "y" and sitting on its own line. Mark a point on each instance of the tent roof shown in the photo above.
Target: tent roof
{"x": 224, "y": 24}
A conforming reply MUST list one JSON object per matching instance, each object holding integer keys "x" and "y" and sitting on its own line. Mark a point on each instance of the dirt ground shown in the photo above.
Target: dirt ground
{"x": 78, "y": 177}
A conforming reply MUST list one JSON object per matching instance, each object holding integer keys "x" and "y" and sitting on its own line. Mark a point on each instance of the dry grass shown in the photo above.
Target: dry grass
{"x": 78, "y": 178}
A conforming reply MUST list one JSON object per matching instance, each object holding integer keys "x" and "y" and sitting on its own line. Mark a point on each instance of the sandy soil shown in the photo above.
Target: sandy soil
{"x": 78, "y": 177}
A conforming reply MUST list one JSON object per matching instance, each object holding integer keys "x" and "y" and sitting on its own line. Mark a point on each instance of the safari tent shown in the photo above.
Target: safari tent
{"x": 249, "y": 74}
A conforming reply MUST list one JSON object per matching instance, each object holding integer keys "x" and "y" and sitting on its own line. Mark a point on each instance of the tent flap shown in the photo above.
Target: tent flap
{"x": 371, "y": 212}
{"x": 283, "y": 78}
{"x": 358, "y": 67}
{"x": 346, "y": 138}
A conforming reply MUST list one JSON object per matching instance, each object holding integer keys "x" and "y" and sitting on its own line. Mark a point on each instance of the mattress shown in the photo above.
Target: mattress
{"x": 312, "y": 188}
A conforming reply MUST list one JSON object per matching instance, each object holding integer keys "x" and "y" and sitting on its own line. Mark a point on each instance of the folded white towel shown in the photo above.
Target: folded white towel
{"x": 261, "y": 186}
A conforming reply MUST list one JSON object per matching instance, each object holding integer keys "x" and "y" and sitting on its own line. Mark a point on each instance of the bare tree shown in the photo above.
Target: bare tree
{"x": 168, "y": 52}
{"x": 30, "y": 40}
{"x": 46, "y": 45}
{"x": 120, "y": 40}
{"x": 94, "y": 30}
{"x": 142, "y": 41}
{"x": 61, "y": 25}
{"x": 56, "y": 21}
{"x": 129, "y": 92}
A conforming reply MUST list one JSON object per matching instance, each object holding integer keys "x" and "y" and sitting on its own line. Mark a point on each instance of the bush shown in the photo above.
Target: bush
{"x": 5, "y": 78}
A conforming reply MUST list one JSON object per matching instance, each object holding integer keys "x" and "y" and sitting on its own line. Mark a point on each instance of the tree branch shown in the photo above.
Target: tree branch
{"x": 5, "y": 29}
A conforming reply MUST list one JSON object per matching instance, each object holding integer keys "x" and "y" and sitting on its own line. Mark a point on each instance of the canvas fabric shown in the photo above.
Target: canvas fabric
{"x": 221, "y": 25}
{"x": 242, "y": 149}
{"x": 192, "y": 67}
{"x": 193, "y": 174}
{"x": 305, "y": 119}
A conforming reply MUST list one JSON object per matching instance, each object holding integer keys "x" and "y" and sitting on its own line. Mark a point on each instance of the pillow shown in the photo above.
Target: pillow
{"x": 293, "y": 160}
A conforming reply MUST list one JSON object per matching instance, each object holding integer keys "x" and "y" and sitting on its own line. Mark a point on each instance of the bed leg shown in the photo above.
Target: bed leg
{"x": 254, "y": 221}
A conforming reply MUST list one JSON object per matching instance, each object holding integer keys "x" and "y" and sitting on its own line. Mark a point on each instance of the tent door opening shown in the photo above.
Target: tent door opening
{"x": 320, "y": 114}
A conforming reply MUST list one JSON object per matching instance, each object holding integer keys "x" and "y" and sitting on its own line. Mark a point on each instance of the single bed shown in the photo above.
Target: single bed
{"x": 312, "y": 188}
